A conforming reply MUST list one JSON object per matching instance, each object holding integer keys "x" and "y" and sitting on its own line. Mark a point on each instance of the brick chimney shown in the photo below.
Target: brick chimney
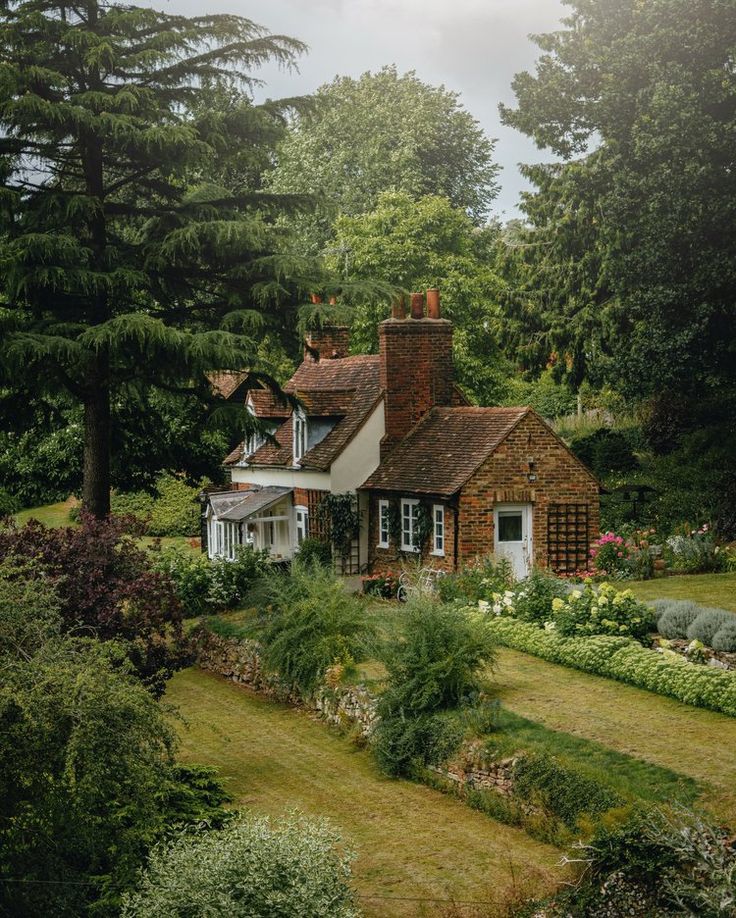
{"x": 330, "y": 342}
{"x": 416, "y": 365}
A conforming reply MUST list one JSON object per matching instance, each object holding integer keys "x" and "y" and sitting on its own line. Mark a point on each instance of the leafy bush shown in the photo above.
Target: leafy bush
{"x": 87, "y": 779}
{"x": 176, "y": 509}
{"x": 674, "y": 617}
{"x": 315, "y": 551}
{"x": 707, "y": 623}
{"x": 206, "y": 587}
{"x": 605, "y": 451}
{"x": 315, "y": 623}
{"x": 725, "y": 638}
{"x": 560, "y": 791}
{"x": 655, "y": 864}
{"x": 435, "y": 668}
{"x": 696, "y": 552}
{"x": 107, "y": 586}
{"x": 30, "y": 609}
{"x": 132, "y": 503}
{"x": 602, "y": 611}
{"x": 8, "y": 503}
{"x": 476, "y": 581}
{"x": 621, "y": 658}
{"x": 532, "y": 598}
{"x": 253, "y": 868}
{"x": 384, "y": 585}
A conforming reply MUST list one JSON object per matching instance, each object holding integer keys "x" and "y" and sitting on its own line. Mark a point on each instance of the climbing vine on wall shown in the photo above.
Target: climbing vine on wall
{"x": 423, "y": 524}
{"x": 342, "y": 518}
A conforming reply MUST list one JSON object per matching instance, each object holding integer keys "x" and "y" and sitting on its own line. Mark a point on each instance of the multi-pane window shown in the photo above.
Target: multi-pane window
{"x": 438, "y": 538}
{"x": 409, "y": 524}
{"x": 302, "y": 524}
{"x": 300, "y": 435}
{"x": 383, "y": 524}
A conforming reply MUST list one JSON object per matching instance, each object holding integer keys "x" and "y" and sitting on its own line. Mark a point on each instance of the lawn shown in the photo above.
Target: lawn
{"x": 412, "y": 843}
{"x": 708, "y": 589}
{"x": 56, "y": 515}
{"x": 691, "y": 741}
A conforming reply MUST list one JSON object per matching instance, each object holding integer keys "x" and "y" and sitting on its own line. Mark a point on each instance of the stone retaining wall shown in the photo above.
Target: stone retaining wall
{"x": 351, "y": 707}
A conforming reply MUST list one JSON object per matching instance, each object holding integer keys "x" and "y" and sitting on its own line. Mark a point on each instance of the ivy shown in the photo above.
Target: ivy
{"x": 341, "y": 515}
{"x": 423, "y": 523}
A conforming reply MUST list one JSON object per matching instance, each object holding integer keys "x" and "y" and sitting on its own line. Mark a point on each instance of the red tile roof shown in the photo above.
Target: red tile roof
{"x": 226, "y": 383}
{"x": 444, "y": 449}
{"x": 267, "y": 404}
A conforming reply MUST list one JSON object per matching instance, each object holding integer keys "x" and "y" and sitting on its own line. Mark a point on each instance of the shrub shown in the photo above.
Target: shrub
{"x": 602, "y": 611}
{"x": 138, "y": 504}
{"x": 253, "y": 868}
{"x": 30, "y": 609}
{"x": 532, "y": 598}
{"x": 674, "y": 617}
{"x": 563, "y": 792}
{"x": 315, "y": 551}
{"x": 621, "y": 658}
{"x": 314, "y": 624}
{"x": 8, "y": 503}
{"x": 435, "y": 668}
{"x": 707, "y": 623}
{"x": 696, "y": 552}
{"x": 476, "y": 581}
{"x": 176, "y": 510}
{"x": 725, "y": 638}
{"x": 605, "y": 451}
{"x": 609, "y": 556}
{"x": 384, "y": 585}
{"x": 107, "y": 586}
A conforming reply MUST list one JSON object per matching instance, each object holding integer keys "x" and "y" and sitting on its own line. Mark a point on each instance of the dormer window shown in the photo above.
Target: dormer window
{"x": 256, "y": 438}
{"x": 300, "y": 434}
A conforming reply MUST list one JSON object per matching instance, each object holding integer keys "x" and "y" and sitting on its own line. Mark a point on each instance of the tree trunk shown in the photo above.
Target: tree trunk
{"x": 96, "y": 482}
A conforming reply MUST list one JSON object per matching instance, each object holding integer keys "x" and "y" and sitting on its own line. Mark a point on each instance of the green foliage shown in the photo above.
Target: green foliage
{"x": 605, "y": 452}
{"x": 626, "y": 268}
{"x": 253, "y": 868}
{"x": 133, "y": 503}
{"x": 621, "y": 658}
{"x": 656, "y": 863}
{"x": 315, "y": 551}
{"x": 476, "y": 581}
{"x": 604, "y": 610}
{"x": 195, "y": 796}
{"x": 314, "y": 623}
{"x": 30, "y": 609}
{"x": 707, "y": 623}
{"x": 674, "y": 617}
{"x": 532, "y": 598}
{"x": 340, "y": 513}
{"x": 435, "y": 668}
{"x": 695, "y": 552}
{"x": 415, "y": 243}
{"x": 380, "y": 132}
{"x": 563, "y": 792}
{"x": 125, "y": 225}
{"x": 544, "y": 394}
{"x": 8, "y": 503}
{"x": 176, "y": 509}
{"x": 206, "y": 587}
{"x": 86, "y": 779}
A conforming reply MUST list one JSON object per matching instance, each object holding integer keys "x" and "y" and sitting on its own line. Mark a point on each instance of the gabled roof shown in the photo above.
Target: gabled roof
{"x": 444, "y": 449}
{"x": 344, "y": 389}
{"x": 226, "y": 383}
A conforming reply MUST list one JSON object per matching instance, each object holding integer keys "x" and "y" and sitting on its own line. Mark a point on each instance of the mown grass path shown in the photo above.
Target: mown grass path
{"x": 692, "y": 741}
{"x": 411, "y": 841}
{"x": 707, "y": 589}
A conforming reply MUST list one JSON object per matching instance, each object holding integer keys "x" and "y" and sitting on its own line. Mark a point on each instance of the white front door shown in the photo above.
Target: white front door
{"x": 513, "y": 536}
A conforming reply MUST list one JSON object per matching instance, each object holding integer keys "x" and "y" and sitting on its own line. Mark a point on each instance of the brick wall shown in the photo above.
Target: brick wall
{"x": 331, "y": 341}
{"x": 416, "y": 372}
{"x": 391, "y": 558}
{"x": 503, "y": 478}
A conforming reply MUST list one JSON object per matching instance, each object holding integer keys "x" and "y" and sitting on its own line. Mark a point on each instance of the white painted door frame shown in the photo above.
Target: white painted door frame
{"x": 510, "y": 520}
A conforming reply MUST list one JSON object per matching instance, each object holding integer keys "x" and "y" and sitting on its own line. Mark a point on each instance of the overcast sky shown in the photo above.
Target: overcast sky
{"x": 473, "y": 47}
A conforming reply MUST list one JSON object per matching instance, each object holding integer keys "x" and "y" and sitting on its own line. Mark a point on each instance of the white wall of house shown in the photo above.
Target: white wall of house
{"x": 286, "y": 478}
{"x": 361, "y": 456}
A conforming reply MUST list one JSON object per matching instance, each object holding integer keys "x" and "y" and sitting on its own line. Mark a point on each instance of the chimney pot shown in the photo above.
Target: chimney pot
{"x": 316, "y": 298}
{"x": 333, "y": 301}
{"x": 433, "y": 303}
{"x": 417, "y": 305}
{"x": 398, "y": 308}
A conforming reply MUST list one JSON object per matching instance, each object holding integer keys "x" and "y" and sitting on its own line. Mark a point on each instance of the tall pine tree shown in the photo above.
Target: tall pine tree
{"x": 121, "y": 260}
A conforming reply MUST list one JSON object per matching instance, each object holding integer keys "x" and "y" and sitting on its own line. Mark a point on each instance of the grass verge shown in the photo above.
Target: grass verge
{"x": 707, "y": 589}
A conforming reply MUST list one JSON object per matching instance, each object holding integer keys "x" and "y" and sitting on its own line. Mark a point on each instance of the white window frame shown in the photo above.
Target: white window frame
{"x": 438, "y": 530}
{"x": 299, "y": 434}
{"x": 384, "y": 532}
{"x": 413, "y": 503}
{"x": 301, "y": 517}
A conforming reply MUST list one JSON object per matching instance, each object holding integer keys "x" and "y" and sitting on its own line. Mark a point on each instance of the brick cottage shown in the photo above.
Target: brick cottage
{"x": 433, "y": 477}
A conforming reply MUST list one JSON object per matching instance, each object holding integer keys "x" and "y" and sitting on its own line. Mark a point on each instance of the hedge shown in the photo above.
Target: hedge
{"x": 624, "y": 659}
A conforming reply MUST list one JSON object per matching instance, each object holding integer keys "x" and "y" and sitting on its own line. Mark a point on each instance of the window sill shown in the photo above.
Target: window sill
{"x": 437, "y": 554}
{"x": 382, "y": 545}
